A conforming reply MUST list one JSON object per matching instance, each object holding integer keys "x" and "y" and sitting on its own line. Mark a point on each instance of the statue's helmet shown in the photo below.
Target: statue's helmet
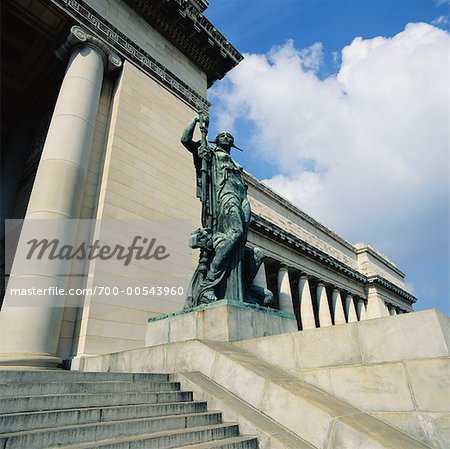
{"x": 226, "y": 135}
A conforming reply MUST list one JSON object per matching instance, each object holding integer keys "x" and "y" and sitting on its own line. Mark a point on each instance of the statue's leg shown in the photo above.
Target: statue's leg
{"x": 233, "y": 230}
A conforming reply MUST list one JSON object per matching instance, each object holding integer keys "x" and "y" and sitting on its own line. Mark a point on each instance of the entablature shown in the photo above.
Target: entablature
{"x": 389, "y": 286}
{"x": 86, "y": 16}
{"x": 184, "y": 25}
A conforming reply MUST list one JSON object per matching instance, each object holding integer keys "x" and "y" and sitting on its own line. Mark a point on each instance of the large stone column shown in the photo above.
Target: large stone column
{"x": 324, "y": 308}
{"x": 350, "y": 309}
{"x": 284, "y": 290}
{"x": 338, "y": 309}
{"x": 392, "y": 310}
{"x": 361, "y": 309}
{"x": 306, "y": 305}
{"x": 260, "y": 279}
{"x": 29, "y": 335}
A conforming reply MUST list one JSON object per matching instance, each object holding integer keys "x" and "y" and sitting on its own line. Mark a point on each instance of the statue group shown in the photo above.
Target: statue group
{"x": 227, "y": 267}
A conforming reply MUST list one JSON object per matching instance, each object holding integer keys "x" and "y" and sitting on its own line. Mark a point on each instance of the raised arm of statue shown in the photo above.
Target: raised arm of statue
{"x": 186, "y": 137}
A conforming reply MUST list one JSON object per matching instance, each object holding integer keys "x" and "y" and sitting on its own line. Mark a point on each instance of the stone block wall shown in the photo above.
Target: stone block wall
{"x": 395, "y": 368}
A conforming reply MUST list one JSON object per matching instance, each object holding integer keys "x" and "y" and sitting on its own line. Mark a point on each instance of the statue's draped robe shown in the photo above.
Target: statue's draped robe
{"x": 230, "y": 211}
{"x": 232, "y": 217}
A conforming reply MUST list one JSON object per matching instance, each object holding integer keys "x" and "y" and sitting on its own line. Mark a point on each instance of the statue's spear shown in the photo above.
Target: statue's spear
{"x": 205, "y": 154}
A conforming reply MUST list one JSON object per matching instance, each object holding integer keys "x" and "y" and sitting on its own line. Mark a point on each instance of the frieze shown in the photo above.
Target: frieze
{"x": 81, "y": 12}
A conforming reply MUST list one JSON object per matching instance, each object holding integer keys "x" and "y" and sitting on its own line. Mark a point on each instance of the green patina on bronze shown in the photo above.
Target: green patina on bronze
{"x": 226, "y": 266}
{"x": 224, "y": 302}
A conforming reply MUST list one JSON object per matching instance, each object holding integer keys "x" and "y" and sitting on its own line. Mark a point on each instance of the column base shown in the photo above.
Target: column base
{"x": 25, "y": 362}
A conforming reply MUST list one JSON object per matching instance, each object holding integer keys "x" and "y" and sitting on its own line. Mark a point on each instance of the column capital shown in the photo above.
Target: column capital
{"x": 283, "y": 267}
{"x": 78, "y": 37}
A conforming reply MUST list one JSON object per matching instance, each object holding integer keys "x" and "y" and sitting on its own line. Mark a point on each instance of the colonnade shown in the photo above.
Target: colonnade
{"x": 319, "y": 303}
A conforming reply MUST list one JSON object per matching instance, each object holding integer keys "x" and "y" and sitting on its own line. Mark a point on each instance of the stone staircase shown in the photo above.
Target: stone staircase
{"x": 80, "y": 410}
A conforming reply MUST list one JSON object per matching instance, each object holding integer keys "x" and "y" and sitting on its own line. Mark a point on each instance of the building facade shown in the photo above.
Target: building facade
{"x": 96, "y": 94}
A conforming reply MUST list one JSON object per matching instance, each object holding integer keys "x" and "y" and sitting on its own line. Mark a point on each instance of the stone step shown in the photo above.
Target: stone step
{"x": 21, "y": 377}
{"x": 31, "y": 389}
{"x": 15, "y": 422}
{"x": 317, "y": 417}
{"x": 173, "y": 439}
{"x": 243, "y": 442}
{"x": 70, "y": 401}
{"x": 48, "y": 437}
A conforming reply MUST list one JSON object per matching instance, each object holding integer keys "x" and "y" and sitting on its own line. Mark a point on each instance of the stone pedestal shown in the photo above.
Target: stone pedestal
{"x": 223, "y": 320}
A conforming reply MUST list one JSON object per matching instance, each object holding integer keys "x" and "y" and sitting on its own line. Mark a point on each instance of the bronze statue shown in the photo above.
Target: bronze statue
{"x": 226, "y": 267}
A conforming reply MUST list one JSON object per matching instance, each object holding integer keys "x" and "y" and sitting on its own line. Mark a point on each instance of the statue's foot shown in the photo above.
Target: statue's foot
{"x": 208, "y": 296}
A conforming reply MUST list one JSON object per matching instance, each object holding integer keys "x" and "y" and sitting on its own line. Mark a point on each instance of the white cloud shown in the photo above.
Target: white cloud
{"x": 442, "y": 2}
{"x": 365, "y": 151}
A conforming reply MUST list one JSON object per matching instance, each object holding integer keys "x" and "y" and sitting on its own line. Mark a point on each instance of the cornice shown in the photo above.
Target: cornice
{"x": 184, "y": 25}
{"x": 124, "y": 46}
{"x": 387, "y": 285}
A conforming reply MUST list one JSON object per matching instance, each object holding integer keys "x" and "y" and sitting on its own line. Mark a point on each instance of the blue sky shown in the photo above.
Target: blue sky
{"x": 342, "y": 107}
